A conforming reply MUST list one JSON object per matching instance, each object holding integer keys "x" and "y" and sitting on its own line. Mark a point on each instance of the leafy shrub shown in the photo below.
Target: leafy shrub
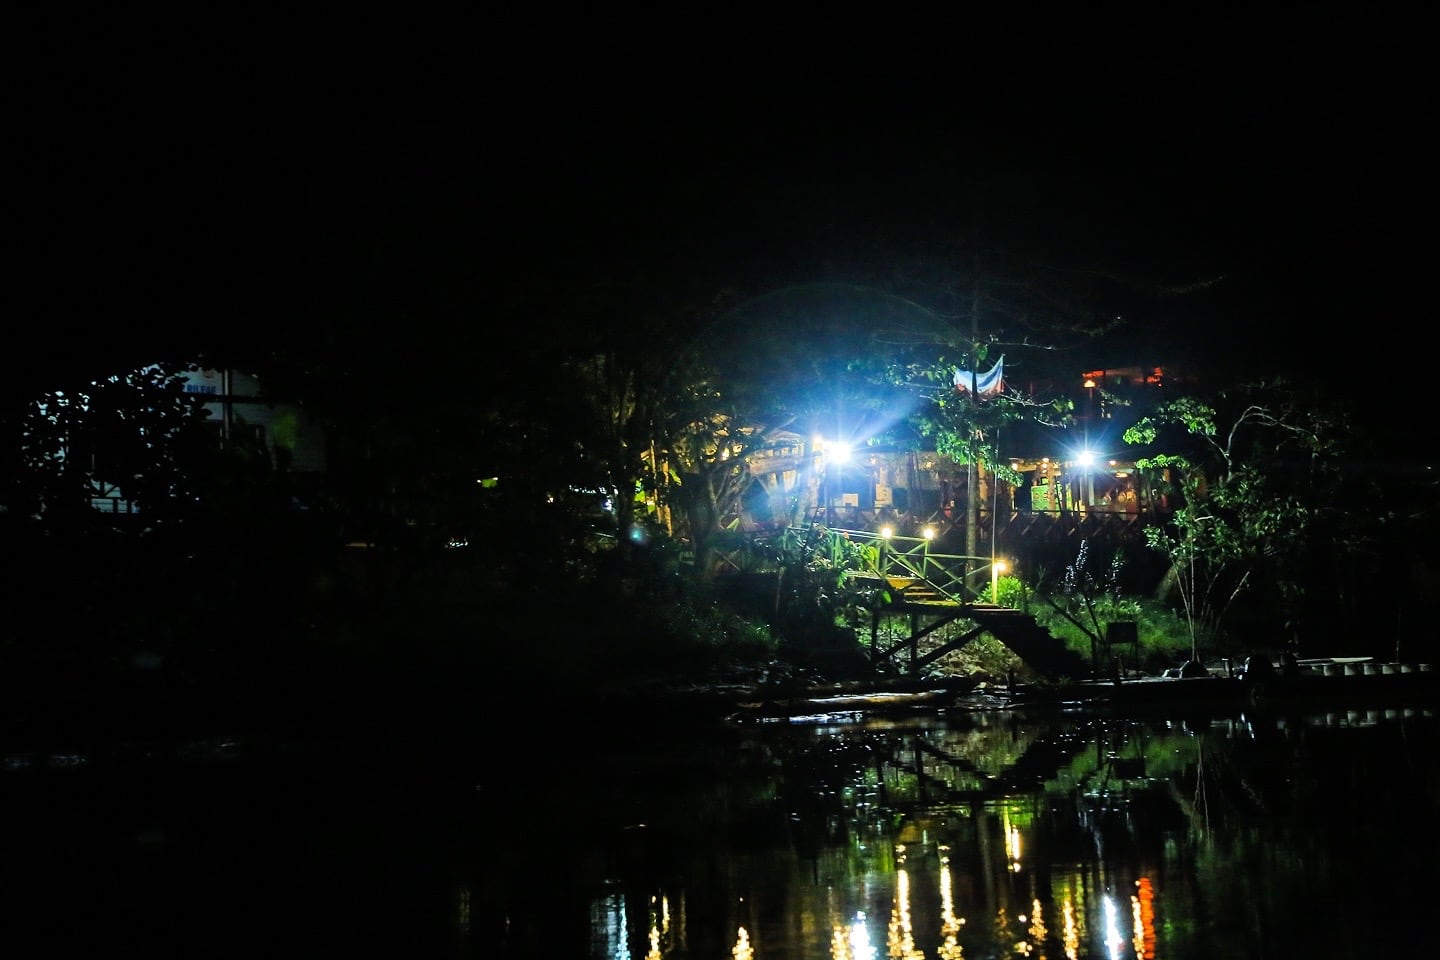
{"x": 1162, "y": 638}
{"x": 1010, "y": 591}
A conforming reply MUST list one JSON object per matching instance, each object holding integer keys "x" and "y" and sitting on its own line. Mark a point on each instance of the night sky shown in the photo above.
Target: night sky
{"x": 1255, "y": 190}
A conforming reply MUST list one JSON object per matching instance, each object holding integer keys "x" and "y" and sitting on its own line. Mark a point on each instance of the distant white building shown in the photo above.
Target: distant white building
{"x": 239, "y": 409}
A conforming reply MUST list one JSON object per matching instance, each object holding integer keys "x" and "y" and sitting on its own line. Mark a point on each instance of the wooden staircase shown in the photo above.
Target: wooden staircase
{"x": 1017, "y": 630}
{"x": 1039, "y": 648}
{"x": 910, "y": 590}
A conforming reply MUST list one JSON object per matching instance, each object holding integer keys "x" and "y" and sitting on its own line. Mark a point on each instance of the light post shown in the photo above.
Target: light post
{"x": 1086, "y": 457}
{"x": 825, "y": 493}
{"x": 822, "y": 485}
{"x": 831, "y": 452}
{"x": 997, "y": 567}
{"x": 1086, "y": 460}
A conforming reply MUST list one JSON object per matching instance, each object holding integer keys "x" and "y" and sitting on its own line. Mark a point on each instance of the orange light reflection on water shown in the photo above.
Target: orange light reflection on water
{"x": 1144, "y": 910}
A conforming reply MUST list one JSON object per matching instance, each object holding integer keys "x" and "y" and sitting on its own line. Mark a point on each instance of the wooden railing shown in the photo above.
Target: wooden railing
{"x": 953, "y": 577}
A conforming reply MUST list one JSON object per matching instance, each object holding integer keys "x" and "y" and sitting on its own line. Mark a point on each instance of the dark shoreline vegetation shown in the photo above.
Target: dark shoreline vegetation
{"x": 460, "y": 651}
{"x": 474, "y": 559}
{"x": 370, "y": 644}
{"x": 250, "y": 614}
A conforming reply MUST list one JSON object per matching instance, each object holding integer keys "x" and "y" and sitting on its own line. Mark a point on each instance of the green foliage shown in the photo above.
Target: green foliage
{"x": 1088, "y": 597}
{"x": 1088, "y": 592}
{"x": 817, "y": 601}
{"x": 1163, "y": 639}
{"x": 1251, "y": 497}
{"x": 818, "y": 549}
{"x": 983, "y": 656}
{"x": 963, "y": 428}
{"x": 1010, "y": 591}
{"x": 1196, "y": 416}
{"x": 695, "y": 624}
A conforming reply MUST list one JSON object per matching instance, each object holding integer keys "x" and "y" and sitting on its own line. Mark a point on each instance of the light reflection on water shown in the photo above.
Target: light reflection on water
{"x": 1154, "y": 840}
{"x": 981, "y": 835}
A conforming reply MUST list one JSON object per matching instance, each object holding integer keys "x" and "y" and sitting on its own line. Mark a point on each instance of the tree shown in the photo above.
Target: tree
{"x": 1258, "y": 487}
{"x": 103, "y": 517}
{"x": 990, "y": 303}
{"x": 817, "y": 605}
{"x": 967, "y": 425}
{"x": 802, "y": 360}
{"x": 706, "y": 441}
{"x": 131, "y": 438}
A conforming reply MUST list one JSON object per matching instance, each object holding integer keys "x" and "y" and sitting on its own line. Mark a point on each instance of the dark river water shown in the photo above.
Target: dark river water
{"x": 974, "y": 834}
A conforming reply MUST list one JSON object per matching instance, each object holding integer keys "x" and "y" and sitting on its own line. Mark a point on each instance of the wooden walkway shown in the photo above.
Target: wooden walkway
{"x": 928, "y": 610}
{"x": 932, "y": 590}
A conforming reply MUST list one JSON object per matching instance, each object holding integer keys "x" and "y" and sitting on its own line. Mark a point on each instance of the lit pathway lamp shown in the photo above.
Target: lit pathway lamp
{"x": 997, "y": 567}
